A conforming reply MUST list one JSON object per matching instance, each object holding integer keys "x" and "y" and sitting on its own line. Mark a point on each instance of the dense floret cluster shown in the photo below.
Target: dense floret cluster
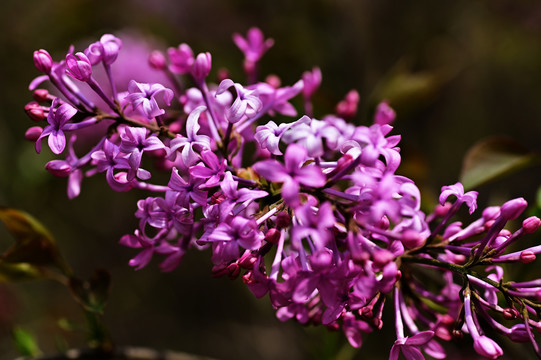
{"x": 310, "y": 212}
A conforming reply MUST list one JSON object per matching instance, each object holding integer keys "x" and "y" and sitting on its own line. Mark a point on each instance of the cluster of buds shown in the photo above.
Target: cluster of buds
{"x": 309, "y": 211}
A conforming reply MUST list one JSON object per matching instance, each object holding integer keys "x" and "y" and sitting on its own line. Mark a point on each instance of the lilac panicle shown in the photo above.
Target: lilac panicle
{"x": 310, "y": 211}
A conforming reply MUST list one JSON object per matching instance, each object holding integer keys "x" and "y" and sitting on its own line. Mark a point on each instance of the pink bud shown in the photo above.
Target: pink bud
{"x": 382, "y": 258}
{"x": 510, "y": 313}
{"x": 513, "y": 208}
{"x": 33, "y": 133}
{"x": 201, "y": 67}
{"x": 412, "y": 239}
{"x": 384, "y": 114}
{"x": 283, "y": 220}
{"x": 487, "y": 347}
{"x": 156, "y": 60}
{"x": 527, "y": 256}
{"x": 41, "y": 95}
{"x": 58, "y": 168}
{"x": 272, "y": 236}
{"x": 78, "y": 66}
{"x": 43, "y": 61}
{"x": 531, "y": 224}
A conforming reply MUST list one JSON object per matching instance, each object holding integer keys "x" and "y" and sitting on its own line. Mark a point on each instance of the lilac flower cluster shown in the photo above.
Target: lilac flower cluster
{"x": 309, "y": 211}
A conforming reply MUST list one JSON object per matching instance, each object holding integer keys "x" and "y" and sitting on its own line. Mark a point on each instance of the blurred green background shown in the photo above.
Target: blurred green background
{"x": 455, "y": 71}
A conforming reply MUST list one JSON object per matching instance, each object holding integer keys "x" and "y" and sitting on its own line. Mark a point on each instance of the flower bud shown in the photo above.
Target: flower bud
{"x": 384, "y": 114}
{"x": 33, "y": 133}
{"x": 41, "y": 95}
{"x": 78, "y": 66}
{"x": 382, "y": 258}
{"x": 531, "y": 224}
{"x": 513, "y": 208}
{"x": 35, "y": 112}
{"x": 527, "y": 256}
{"x": 283, "y": 220}
{"x": 272, "y": 236}
{"x": 519, "y": 334}
{"x": 510, "y": 314}
{"x": 201, "y": 67}
{"x": 43, "y": 61}
{"x": 233, "y": 270}
{"x": 156, "y": 60}
{"x": 58, "y": 168}
{"x": 487, "y": 347}
{"x": 412, "y": 239}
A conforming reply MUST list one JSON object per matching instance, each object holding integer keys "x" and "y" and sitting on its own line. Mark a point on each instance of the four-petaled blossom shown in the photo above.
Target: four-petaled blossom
{"x": 470, "y": 198}
{"x": 254, "y": 45}
{"x": 105, "y": 50}
{"x": 409, "y": 346}
{"x": 192, "y": 142}
{"x": 292, "y": 173}
{"x": 58, "y": 120}
{"x": 246, "y": 103}
{"x": 142, "y": 96}
{"x": 135, "y": 141}
{"x": 181, "y": 59}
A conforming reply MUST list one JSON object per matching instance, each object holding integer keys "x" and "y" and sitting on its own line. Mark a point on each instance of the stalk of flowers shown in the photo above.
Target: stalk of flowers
{"x": 309, "y": 211}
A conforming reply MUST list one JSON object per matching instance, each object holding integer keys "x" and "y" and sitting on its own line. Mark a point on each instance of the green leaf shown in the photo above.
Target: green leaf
{"x": 493, "y": 158}
{"x": 33, "y": 243}
{"x": 93, "y": 293}
{"x": 25, "y": 343}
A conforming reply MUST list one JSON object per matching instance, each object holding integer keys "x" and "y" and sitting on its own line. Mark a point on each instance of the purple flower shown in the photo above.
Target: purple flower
{"x": 181, "y": 59}
{"x": 108, "y": 159}
{"x": 79, "y": 67}
{"x": 254, "y": 45}
{"x": 229, "y": 235}
{"x": 135, "y": 141}
{"x": 312, "y": 134}
{"x": 292, "y": 174}
{"x": 409, "y": 346}
{"x": 211, "y": 170}
{"x": 58, "y": 122}
{"x": 277, "y": 99}
{"x": 192, "y": 142}
{"x": 246, "y": 103}
{"x": 234, "y": 195}
{"x": 470, "y": 198}
{"x": 105, "y": 50}
{"x": 142, "y": 96}
{"x": 187, "y": 189}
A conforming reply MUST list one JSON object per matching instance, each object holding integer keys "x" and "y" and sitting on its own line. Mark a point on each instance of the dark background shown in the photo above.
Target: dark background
{"x": 455, "y": 71}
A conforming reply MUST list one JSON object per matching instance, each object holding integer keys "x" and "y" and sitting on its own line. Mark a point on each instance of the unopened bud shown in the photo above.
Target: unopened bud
{"x": 283, "y": 220}
{"x": 510, "y": 314}
{"x": 382, "y": 258}
{"x": 527, "y": 256}
{"x": 513, "y": 208}
{"x": 234, "y": 270}
{"x": 156, "y": 60}
{"x": 201, "y": 67}
{"x": 272, "y": 236}
{"x": 58, "y": 168}
{"x": 531, "y": 224}
{"x": 41, "y": 95}
{"x": 412, "y": 239}
{"x": 385, "y": 115}
{"x": 33, "y": 133}
{"x": 43, "y": 61}
{"x": 273, "y": 80}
